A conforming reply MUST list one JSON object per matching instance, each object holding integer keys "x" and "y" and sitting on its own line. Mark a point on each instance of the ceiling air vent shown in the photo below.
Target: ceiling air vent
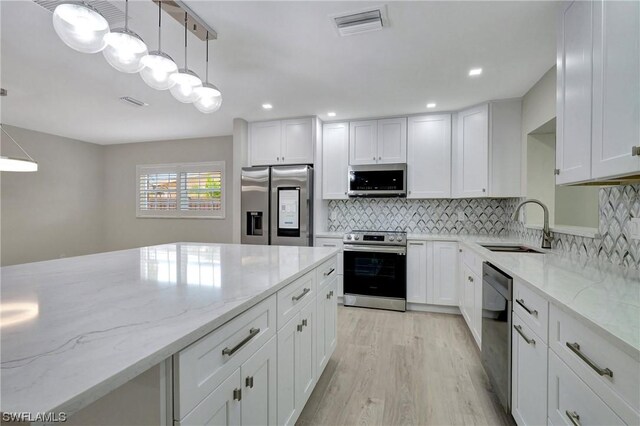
{"x": 361, "y": 22}
{"x": 133, "y": 101}
{"x": 113, "y": 15}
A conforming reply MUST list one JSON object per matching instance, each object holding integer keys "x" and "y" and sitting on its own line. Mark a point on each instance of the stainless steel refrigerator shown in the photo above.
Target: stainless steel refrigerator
{"x": 277, "y": 205}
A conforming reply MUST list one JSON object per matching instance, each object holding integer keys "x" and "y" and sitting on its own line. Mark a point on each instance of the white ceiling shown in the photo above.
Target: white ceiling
{"x": 284, "y": 53}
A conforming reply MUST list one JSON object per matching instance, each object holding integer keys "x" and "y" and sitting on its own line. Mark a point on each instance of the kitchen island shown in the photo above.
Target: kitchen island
{"x": 75, "y": 329}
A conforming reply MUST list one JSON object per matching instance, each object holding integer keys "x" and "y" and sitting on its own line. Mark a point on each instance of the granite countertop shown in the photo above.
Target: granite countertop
{"x": 74, "y": 329}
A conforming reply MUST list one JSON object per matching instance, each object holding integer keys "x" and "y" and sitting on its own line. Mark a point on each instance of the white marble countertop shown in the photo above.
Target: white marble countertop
{"x": 74, "y": 329}
{"x": 603, "y": 295}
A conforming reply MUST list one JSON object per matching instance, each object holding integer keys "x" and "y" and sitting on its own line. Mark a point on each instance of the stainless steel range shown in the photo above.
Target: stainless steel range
{"x": 375, "y": 270}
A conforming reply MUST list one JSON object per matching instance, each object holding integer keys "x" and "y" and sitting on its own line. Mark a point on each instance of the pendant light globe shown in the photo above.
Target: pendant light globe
{"x": 209, "y": 98}
{"x": 125, "y": 50}
{"x": 80, "y": 26}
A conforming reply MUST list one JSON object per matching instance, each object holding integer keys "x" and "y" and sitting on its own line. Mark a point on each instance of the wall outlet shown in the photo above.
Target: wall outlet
{"x": 635, "y": 228}
{"x": 461, "y": 216}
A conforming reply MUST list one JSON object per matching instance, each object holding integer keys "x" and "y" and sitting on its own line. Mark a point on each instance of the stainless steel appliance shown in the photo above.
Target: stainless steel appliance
{"x": 375, "y": 270}
{"x": 497, "y": 294}
{"x": 379, "y": 180}
{"x": 277, "y": 205}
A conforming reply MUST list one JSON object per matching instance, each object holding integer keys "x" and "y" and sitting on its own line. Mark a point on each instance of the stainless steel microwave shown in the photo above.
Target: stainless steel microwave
{"x": 378, "y": 180}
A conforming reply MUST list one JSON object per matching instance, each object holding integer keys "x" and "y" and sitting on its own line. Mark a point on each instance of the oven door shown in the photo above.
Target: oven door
{"x": 375, "y": 271}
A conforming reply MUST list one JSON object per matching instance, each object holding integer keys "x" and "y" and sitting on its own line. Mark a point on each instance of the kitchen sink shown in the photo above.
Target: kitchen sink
{"x": 508, "y": 248}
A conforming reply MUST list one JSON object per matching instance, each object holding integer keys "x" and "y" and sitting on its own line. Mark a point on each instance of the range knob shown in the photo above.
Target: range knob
{"x": 399, "y": 239}
{"x": 357, "y": 237}
{"x": 391, "y": 238}
{"x": 348, "y": 237}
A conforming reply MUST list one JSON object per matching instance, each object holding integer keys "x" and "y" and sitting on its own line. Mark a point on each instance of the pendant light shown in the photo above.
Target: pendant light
{"x": 80, "y": 26}
{"x": 185, "y": 80}
{"x": 209, "y": 96}
{"x": 158, "y": 67}
{"x": 125, "y": 48}
{"x": 11, "y": 164}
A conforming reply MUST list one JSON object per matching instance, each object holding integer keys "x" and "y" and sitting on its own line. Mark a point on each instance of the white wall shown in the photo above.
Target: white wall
{"x": 541, "y": 154}
{"x": 124, "y": 230}
{"x": 57, "y": 211}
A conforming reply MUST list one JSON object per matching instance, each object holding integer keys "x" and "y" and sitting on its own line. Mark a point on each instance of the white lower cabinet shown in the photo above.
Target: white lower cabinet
{"x": 326, "y": 331}
{"x": 444, "y": 283}
{"x": 296, "y": 367}
{"x": 335, "y": 242}
{"x": 417, "y": 272}
{"x": 471, "y": 303}
{"x": 259, "y": 386}
{"x": 529, "y": 375}
{"x": 572, "y": 402}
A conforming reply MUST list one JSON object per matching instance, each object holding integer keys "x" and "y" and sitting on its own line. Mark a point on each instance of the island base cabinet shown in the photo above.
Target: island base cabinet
{"x": 259, "y": 386}
{"x": 572, "y": 402}
{"x": 528, "y": 375}
{"x": 221, "y": 407}
{"x": 296, "y": 377}
{"x": 327, "y": 310}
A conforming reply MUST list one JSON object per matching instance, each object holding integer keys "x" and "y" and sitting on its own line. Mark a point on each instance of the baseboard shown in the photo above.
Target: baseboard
{"x": 420, "y": 307}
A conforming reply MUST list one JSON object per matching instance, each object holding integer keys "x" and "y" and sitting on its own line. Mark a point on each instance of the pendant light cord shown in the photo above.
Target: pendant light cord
{"x": 14, "y": 141}
{"x": 126, "y": 15}
{"x": 159, "y": 26}
{"x": 185, "y": 41}
{"x": 206, "y": 72}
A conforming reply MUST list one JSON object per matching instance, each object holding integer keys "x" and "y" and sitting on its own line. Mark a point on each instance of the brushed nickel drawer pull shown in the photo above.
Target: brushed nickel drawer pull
{"x": 328, "y": 296}
{"x": 252, "y": 333}
{"x": 326, "y": 274}
{"x": 304, "y": 322}
{"x": 299, "y": 327}
{"x": 249, "y": 382}
{"x": 331, "y": 293}
{"x": 526, "y": 339}
{"x": 529, "y": 311}
{"x": 237, "y": 394}
{"x": 301, "y": 295}
{"x": 574, "y": 417}
{"x": 575, "y": 348}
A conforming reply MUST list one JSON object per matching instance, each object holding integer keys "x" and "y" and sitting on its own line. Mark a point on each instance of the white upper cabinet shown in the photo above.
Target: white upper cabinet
{"x": 281, "y": 142}
{"x": 363, "y": 142}
{"x": 264, "y": 142}
{"x": 598, "y": 96}
{"x": 378, "y": 141}
{"x": 392, "y": 140}
{"x": 573, "y": 135}
{"x": 487, "y": 150}
{"x": 472, "y": 152}
{"x": 335, "y": 160}
{"x": 429, "y": 156}
{"x": 616, "y": 88}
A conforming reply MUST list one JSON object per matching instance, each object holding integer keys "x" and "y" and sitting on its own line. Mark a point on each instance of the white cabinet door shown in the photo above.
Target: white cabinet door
{"x": 327, "y": 311}
{"x": 259, "y": 404}
{"x": 528, "y": 375}
{"x": 363, "y": 142}
{"x": 335, "y": 161}
{"x": 471, "y": 164}
{"x": 616, "y": 88}
{"x": 297, "y": 141}
{"x": 288, "y": 348}
{"x": 320, "y": 325}
{"x": 476, "y": 281}
{"x": 574, "y": 61}
{"x": 429, "y": 156}
{"x": 305, "y": 357}
{"x": 445, "y": 263}
{"x": 392, "y": 140}
{"x": 417, "y": 272}
{"x": 264, "y": 143}
{"x": 221, "y": 407}
{"x": 468, "y": 296}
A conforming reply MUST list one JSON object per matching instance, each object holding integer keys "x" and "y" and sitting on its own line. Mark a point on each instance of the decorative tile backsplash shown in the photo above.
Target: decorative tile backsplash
{"x": 618, "y": 205}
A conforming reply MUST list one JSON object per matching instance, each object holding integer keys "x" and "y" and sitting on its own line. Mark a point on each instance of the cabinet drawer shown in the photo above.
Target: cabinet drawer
{"x": 532, "y": 308}
{"x": 201, "y": 367}
{"x": 610, "y": 372}
{"x": 570, "y": 397}
{"x": 294, "y": 296}
{"x": 326, "y": 272}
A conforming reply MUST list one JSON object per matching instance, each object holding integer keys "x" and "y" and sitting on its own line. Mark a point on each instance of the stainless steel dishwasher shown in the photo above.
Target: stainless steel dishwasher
{"x": 496, "y": 331}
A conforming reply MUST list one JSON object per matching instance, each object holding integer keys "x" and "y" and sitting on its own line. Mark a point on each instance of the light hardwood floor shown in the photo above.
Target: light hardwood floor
{"x": 403, "y": 368}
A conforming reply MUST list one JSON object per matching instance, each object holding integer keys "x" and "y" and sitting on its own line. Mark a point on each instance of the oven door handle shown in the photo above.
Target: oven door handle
{"x": 374, "y": 249}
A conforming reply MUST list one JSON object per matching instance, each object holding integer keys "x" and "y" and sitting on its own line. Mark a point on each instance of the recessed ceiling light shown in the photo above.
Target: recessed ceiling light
{"x": 267, "y": 106}
{"x": 475, "y": 71}
{"x": 431, "y": 105}
{"x": 331, "y": 114}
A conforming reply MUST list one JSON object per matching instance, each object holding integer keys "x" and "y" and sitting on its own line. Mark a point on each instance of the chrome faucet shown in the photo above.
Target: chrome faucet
{"x": 546, "y": 233}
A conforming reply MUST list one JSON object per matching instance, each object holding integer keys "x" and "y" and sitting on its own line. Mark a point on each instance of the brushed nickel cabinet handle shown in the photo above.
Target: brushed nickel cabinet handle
{"x": 574, "y": 417}
{"x": 299, "y": 327}
{"x": 237, "y": 394}
{"x": 252, "y": 333}
{"x": 277, "y": 158}
{"x": 379, "y": 158}
{"x": 326, "y": 274}
{"x": 526, "y": 339}
{"x": 635, "y": 151}
{"x": 529, "y": 311}
{"x": 249, "y": 382}
{"x": 331, "y": 293}
{"x": 304, "y": 322}
{"x": 575, "y": 348}
{"x": 301, "y": 295}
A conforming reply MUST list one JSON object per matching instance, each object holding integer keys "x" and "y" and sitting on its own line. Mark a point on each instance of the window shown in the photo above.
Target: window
{"x": 181, "y": 190}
